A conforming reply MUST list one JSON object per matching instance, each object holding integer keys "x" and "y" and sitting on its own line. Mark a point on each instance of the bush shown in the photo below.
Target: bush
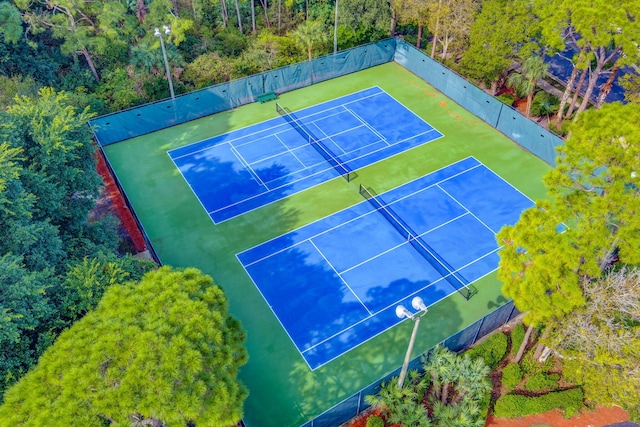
{"x": 375, "y": 421}
{"x": 544, "y": 104}
{"x": 542, "y": 381}
{"x": 511, "y": 376}
{"x": 491, "y": 350}
{"x": 512, "y": 405}
{"x": 517, "y": 336}
{"x": 506, "y": 98}
{"x": 531, "y": 366}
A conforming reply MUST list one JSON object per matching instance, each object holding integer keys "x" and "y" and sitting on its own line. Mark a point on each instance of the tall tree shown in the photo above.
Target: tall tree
{"x": 58, "y": 167}
{"x": 502, "y": 32}
{"x": 369, "y": 16}
{"x": 10, "y": 22}
{"x": 525, "y": 82}
{"x": 606, "y": 33}
{"x": 592, "y": 213}
{"x": 163, "y": 351}
{"x": 414, "y": 12}
{"x": 25, "y": 311}
{"x": 600, "y": 342}
{"x": 310, "y": 34}
{"x": 86, "y": 28}
{"x": 451, "y": 24}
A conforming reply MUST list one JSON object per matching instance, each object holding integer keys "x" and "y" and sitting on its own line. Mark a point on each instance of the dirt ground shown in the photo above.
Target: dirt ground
{"x": 112, "y": 200}
{"x": 600, "y": 417}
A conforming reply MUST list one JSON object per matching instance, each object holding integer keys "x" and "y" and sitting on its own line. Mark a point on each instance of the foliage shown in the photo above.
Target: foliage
{"x": 174, "y": 360}
{"x": 120, "y": 90}
{"x": 10, "y": 22}
{"x": 525, "y": 82}
{"x": 517, "y": 336}
{"x": 630, "y": 82}
{"x": 606, "y": 35}
{"x": 458, "y": 393}
{"x": 506, "y": 98}
{"x": 48, "y": 185}
{"x": 492, "y": 350}
{"x": 310, "y": 34}
{"x": 370, "y": 19}
{"x": 542, "y": 381}
{"x": 511, "y": 376}
{"x": 544, "y": 104}
{"x": 531, "y": 367}
{"x": 450, "y": 23}
{"x": 375, "y": 421}
{"x": 501, "y": 32}
{"x": 208, "y": 69}
{"x": 600, "y": 342}
{"x": 592, "y": 200}
{"x": 24, "y": 308}
{"x": 512, "y": 405}
{"x": 402, "y": 405}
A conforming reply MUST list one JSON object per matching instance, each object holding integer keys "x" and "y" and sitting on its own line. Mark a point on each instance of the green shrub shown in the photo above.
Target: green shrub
{"x": 375, "y": 421}
{"x": 506, "y": 98}
{"x": 511, "y": 376}
{"x": 517, "y": 336}
{"x": 492, "y": 350}
{"x": 531, "y": 366}
{"x": 542, "y": 381}
{"x": 512, "y": 405}
{"x": 544, "y": 104}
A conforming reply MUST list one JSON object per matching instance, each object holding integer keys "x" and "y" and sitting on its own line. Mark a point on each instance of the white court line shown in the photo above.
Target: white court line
{"x": 272, "y": 310}
{"x": 267, "y": 128}
{"x": 246, "y": 165}
{"x": 292, "y": 152}
{"x": 368, "y": 204}
{"x": 367, "y": 125}
{"x": 324, "y": 170}
{"x": 340, "y": 276}
{"x": 369, "y": 153}
{"x": 472, "y": 214}
{"x": 393, "y": 303}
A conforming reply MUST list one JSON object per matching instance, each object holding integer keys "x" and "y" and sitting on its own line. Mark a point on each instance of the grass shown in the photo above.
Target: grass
{"x": 283, "y": 391}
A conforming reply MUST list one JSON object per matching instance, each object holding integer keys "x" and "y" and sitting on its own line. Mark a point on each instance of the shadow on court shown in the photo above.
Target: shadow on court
{"x": 370, "y": 359}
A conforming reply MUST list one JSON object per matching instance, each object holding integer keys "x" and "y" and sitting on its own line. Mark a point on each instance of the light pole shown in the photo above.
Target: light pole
{"x": 158, "y": 34}
{"x": 335, "y": 31}
{"x": 418, "y": 304}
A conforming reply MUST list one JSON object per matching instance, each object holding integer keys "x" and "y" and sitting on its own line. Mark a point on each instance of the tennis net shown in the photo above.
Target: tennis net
{"x": 342, "y": 168}
{"x": 460, "y": 284}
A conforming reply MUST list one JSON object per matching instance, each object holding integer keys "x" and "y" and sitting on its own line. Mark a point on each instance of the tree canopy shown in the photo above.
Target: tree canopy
{"x": 591, "y": 213}
{"x": 164, "y": 350}
{"x": 600, "y": 342}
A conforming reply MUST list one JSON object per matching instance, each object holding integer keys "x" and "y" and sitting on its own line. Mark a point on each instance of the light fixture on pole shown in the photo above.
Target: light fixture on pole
{"x": 418, "y": 304}
{"x": 158, "y": 34}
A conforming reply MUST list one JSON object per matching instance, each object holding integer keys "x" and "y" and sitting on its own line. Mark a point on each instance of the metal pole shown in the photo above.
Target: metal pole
{"x": 166, "y": 65}
{"x": 335, "y": 31}
{"x": 407, "y": 357}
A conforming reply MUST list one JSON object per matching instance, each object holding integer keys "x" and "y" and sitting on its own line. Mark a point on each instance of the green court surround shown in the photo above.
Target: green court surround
{"x": 283, "y": 391}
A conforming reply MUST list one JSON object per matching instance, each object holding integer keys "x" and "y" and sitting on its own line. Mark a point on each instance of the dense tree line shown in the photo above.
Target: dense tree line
{"x": 106, "y": 55}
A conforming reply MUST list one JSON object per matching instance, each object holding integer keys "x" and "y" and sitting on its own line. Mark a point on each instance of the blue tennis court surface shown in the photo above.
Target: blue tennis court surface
{"x": 234, "y": 173}
{"x": 335, "y": 283}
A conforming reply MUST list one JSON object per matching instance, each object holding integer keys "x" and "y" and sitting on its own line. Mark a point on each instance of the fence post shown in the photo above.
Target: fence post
{"x": 478, "y": 331}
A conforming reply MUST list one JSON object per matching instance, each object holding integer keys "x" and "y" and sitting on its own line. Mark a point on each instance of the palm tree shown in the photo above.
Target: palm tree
{"x": 309, "y": 34}
{"x": 524, "y": 83}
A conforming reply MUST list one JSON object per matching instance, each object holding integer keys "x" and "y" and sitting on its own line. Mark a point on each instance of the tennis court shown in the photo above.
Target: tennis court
{"x": 335, "y": 283}
{"x": 333, "y": 215}
{"x": 242, "y": 170}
